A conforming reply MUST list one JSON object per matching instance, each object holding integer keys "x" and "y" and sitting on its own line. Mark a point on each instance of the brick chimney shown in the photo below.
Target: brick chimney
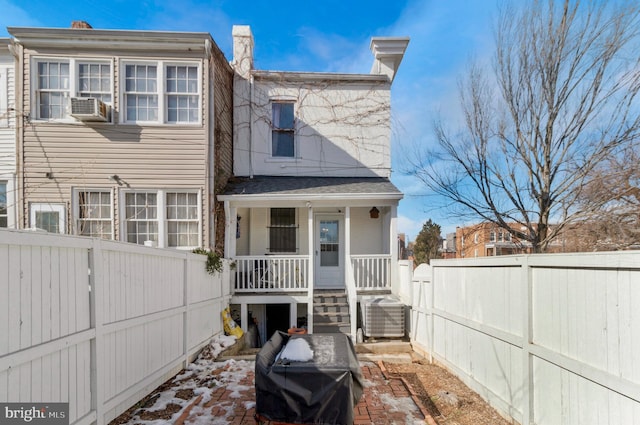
{"x": 81, "y": 25}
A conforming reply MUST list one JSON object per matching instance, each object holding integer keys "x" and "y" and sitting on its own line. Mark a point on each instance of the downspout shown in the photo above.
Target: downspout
{"x": 251, "y": 125}
{"x": 19, "y": 122}
{"x": 211, "y": 155}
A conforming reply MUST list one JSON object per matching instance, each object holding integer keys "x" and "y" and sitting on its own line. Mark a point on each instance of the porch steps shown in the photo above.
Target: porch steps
{"x": 331, "y": 312}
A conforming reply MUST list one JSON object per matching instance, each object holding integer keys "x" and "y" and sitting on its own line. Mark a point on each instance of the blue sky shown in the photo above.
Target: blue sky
{"x": 321, "y": 36}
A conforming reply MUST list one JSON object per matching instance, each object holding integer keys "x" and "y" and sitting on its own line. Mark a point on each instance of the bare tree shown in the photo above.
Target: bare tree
{"x": 560, "y": 99}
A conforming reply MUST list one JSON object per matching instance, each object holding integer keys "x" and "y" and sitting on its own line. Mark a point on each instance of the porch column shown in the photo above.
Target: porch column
{"x": 347, "y": 242}
{"x": 311, "y": 269}
{"x": 229, "y": 230}
{"x": 393, "y": 235}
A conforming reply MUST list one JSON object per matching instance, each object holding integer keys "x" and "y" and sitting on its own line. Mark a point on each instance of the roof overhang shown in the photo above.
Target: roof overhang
{"x": 326, "y": 191}
{"x": 172, "y": 41}
{"x": 318, "y": 76}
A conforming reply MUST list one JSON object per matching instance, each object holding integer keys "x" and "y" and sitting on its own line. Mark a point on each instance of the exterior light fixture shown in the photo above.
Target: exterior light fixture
{"x": 374, "y": 212}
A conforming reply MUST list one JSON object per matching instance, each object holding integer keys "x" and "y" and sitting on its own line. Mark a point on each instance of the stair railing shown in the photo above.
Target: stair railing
{"x": 352, "y": 298}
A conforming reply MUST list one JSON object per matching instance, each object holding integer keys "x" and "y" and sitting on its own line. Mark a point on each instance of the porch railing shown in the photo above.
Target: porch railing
{"x": 371, "y": 272}
{"x": 271, "y": 273}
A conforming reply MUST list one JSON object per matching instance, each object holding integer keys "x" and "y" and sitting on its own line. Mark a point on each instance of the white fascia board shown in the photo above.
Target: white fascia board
{"x": 317, "y": 76}
{"x": 111, "y": 39}
{"x": 317, "y": 198}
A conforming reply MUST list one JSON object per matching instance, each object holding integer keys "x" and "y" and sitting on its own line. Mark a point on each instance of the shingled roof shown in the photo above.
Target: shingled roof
{"x": 269, "y": 185}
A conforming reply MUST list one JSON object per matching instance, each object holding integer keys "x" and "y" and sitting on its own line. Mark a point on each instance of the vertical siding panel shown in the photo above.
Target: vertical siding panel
{"x": 82, "y": 289}
{"x": 25, "y": 382}
{"x": 55, "y": 293}
{"x": 73, "y": 302}
{"x": 25, "y": 296}
{"x": 46, "y": 294}
{"x": 64, "y": 375}
{"x": 36, "y": 381}
{"x": 64, "y": 292}
{"x": 46, "y": 378}
{"x": 5, "y": 315}
{"x": 4, "y": 386}
{"x": 37, "y": 276}
{"x": 73, "y": 383}
{"x": 13, "y": 384}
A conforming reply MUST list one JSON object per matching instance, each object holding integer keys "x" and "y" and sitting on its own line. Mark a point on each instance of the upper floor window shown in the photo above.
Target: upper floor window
{"x": 282, "y": 131}
{"x": 162, "y": 93}
{"x": 492, "y": 236}
{"x": 53, "y": 89}
{"x": 57, "y": 80}
{"x": 94, "y": 80}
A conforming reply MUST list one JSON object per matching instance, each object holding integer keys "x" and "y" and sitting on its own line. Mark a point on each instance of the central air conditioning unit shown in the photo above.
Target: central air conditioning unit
{"x": 89, "y": 109}
{"x": 382, "y": 317}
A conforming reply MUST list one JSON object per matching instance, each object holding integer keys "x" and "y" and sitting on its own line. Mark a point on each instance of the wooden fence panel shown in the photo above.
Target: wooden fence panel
{"x": 545, "y": 339}
{"x": 99, "y": 323}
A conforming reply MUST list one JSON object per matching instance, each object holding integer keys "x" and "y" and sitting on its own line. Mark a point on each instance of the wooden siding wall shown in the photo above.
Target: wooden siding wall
{"x": 223, "y": 133}
{"x": 547, "y": 339}
{"x": 100, "y": 340}
{"x": 7, "y": 119}
{"x": 84, "y": 155}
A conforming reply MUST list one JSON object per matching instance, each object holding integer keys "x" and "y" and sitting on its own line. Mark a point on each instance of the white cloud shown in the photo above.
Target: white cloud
{"x": 409, "y": 226}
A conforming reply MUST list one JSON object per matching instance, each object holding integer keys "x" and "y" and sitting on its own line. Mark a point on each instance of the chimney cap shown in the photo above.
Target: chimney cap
{"x": 80, "y": 25}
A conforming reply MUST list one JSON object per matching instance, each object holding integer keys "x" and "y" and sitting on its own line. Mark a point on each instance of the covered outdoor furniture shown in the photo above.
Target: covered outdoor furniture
{"x": 324, "y": 390}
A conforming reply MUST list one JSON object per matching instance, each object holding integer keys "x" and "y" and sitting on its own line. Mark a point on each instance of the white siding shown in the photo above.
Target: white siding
{"x": 343, "y": 128}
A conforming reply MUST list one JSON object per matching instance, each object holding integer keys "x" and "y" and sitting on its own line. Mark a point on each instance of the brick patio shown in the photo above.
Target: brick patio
{"x": 386, "y": 400}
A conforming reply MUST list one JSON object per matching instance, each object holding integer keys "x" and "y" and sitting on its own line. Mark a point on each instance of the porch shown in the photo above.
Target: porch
{"x": 295, "y": 236}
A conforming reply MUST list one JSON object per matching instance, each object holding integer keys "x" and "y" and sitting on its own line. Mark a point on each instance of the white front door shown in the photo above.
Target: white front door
{"x": 329, "y": 251}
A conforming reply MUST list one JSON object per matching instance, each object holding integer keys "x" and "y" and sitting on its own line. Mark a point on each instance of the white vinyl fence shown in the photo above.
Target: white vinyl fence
{"x": 546, "y": 339}
{"x": 99, "y": 324}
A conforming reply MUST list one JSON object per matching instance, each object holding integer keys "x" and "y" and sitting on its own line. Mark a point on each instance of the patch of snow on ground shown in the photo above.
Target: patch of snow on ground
{"x": 199, "y": 378}
{"x": 402, "y": 404}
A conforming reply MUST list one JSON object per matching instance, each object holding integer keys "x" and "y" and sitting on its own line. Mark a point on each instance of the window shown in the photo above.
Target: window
{"x": 167, "y": 219}
{"x": 53, "y": 89}
{"x": 282, "y": 231}
{"x": 162, "y": 93}
{"x": 182, "y": 219}
{"x": 4, "y": 218}
{"x": 94, "y": 80}
{"x": 500, "y": 236}
{"x": 57, "y": 80}
{"x": 48, "y": 217}
{"x": 282, "y": 133}
{"x": 141, "y": 216}
{"x": 94, "y": 214}
{"x": 476, "y": 237}
{"x": 182, "y": 94}
{"x": 492, "y": 236}
{"x": 141, "y": 92}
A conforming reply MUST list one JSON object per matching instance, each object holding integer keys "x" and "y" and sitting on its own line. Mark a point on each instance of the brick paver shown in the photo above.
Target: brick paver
{"x": 385, "y": 400}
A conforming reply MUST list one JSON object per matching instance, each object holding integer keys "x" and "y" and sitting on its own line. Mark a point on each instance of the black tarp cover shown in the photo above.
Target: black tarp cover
{"x": 324, "y": 390}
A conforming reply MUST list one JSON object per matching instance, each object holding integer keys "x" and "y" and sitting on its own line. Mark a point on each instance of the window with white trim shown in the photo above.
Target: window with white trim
{"x": 283, "y": 230}
{"x": 159, "y": 92}
{"x": 48, "y": 217}
{"x": 56, "y": 80}
{"x": 182, "y": 219}
{"x": 4, "y": 216}
{"x": 94, "y": 214}
{"x": 492, "y": 236}
{"x": 282, "y": 130}
{"x": 163, "y": 218}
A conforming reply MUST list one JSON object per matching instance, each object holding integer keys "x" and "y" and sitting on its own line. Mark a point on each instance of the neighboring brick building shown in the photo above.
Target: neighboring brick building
{"x": 487, "y": 240}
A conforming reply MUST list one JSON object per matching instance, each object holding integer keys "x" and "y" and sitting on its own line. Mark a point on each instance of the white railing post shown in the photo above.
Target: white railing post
{"x": 310, "y": 277}
{"x": 185, "y": 321}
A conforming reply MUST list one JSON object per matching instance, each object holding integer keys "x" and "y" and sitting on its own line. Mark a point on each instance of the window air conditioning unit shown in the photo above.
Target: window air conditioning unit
{"x": 89, "y": 109}
{"x": 382, "y": 317}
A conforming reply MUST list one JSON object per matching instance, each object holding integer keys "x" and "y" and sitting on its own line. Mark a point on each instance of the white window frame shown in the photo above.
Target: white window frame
{"x": 161, "y": 217}
{"x": 74, "y": 84}
{"x": 7, "y": 206}
{"x": 273, "y": 129}
{"x": 76, "y": 208}
{"x": 160, "y": 93}
{"x": 47, "y": 207}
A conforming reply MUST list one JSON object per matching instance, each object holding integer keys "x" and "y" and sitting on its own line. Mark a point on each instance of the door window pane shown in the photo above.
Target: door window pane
{"x": 329, "y": 243}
